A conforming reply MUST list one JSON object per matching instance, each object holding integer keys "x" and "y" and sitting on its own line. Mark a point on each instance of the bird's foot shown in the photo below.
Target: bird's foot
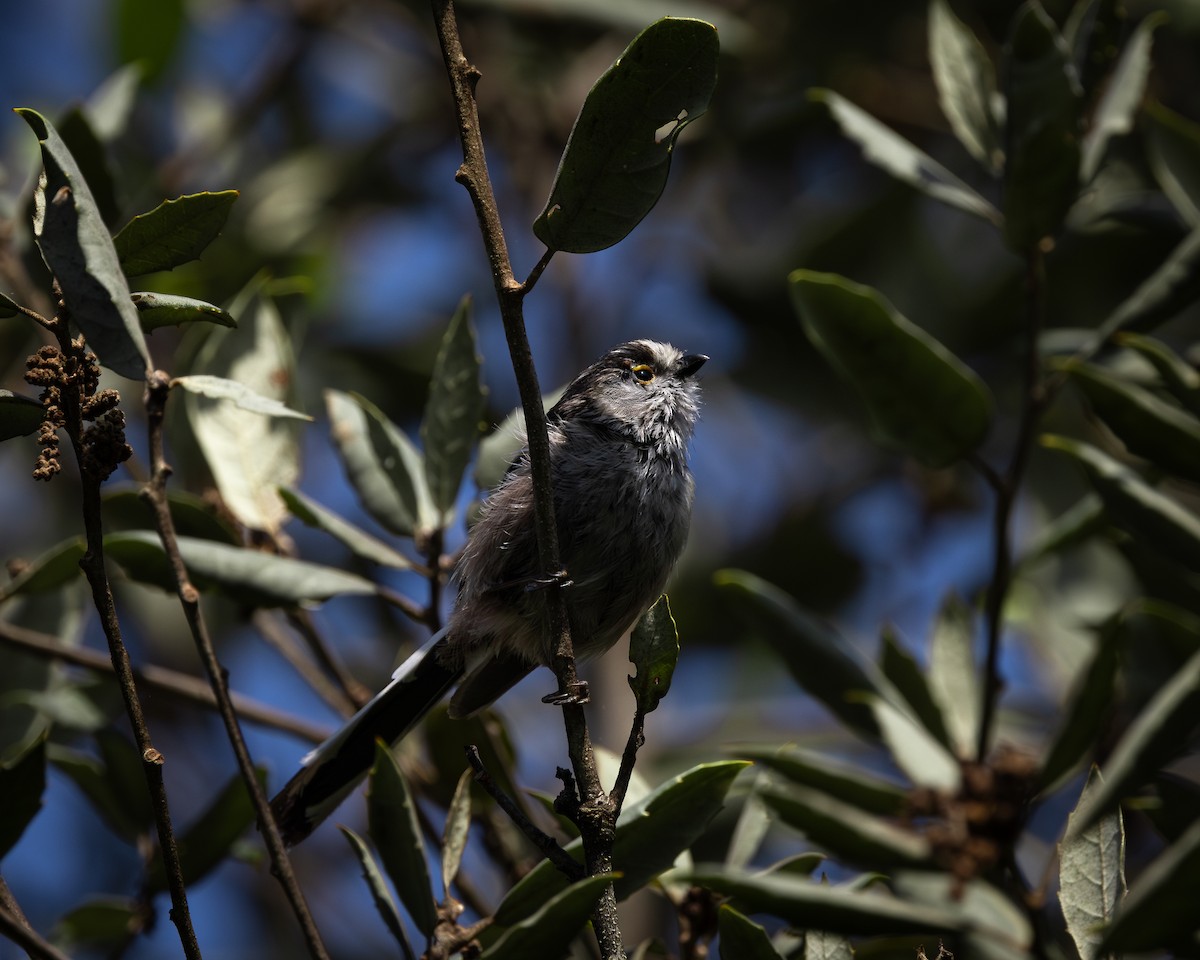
{"x": 560, "y": 579}
{"x": 575, "y": 693}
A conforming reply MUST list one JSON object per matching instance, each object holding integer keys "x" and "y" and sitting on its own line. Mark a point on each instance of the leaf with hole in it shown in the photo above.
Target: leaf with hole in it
{"x": 1091, "y": 875}
{"x": 450, "y": 427}
{"x": 454, "y": 835}
{"x": 544, "y": 933}
{"x": 1178, "y": 376}
{"x": 615, "y": 164}
{"x": 378, "y": 887}
{"x": 654, "y": 651}
{"x": 246, "y": 576}
{"x": 953, "y": 676}
{"x": 19, "y": 416}
{"x": 1161, "y": 432}
{"x": 79, "y": 251}
{"x": 22, "y": 782}
{"x": 156, "y": 310}
{"x": 1173, "y": 152}
{"x": 173, "y": 233}
{"x": 1134, "y": 505}
{"x": 922, "y": 400}
{"x": 966, "y": 84}
{"x": 394, "y": 828}
{"x": 893, "y": 154}
{"x": 1042, "y": 150}
{"x": 361, "y": 543}
{"x": 741, "y": 938}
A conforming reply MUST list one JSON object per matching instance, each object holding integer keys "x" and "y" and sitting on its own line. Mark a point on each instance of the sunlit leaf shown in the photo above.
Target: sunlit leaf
{"x": 908, "y": 677}
{"x": 966, "y": 84}
{"x": 922, "y": 400}
{"x": 993, "y": 926}
{"x": 616, "y": 161}
{"x": 219, "y": 388}
{"x": 953, "y": 674}
{"x": 454, "y": 835}
{"x": 500, "y": 447}
{"x": 1091, "y": 875}
{"x": 173, "y": 233}
{"x": 156, "y": 310}
{"x": 926, "y": 762}
{"x": 654, "y": 651}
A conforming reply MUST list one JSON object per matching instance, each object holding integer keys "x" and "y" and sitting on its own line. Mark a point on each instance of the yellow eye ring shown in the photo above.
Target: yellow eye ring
{"x": 643, "y": 372}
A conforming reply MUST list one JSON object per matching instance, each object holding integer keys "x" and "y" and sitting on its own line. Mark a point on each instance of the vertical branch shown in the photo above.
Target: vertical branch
{"x": 1007, "y": 488}
{"x": 158, "y": 388}
{"x": 596, "y": 818}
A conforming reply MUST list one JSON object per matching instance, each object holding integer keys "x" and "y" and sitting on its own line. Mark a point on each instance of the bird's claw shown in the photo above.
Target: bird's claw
{"x": 575, "y": 693}
{"x": 560, "y": 579}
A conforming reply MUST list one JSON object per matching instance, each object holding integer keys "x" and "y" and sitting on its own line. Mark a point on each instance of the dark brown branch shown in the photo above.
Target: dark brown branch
{"x": 25, "y": 937}
{"x": 159, "y": 678}
{"x": 158, "y": 388}
{"x": 637, "y": 739}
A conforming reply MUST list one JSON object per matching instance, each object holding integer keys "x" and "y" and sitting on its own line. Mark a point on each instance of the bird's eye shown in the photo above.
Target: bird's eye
{"x": 643, "y": 371}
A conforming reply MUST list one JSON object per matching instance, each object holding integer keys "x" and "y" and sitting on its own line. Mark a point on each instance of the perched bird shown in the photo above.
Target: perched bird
{"x": 622, "y": 502}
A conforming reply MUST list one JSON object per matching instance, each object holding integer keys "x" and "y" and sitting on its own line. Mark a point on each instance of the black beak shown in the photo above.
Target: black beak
{"x": 690, "y": 364}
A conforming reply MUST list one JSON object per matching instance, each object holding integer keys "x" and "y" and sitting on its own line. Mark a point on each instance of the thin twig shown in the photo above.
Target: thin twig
{"x": 278, "y": 638}
{"x": 28, "y": 939}
{"x": 354, "y": 691}
{"x": 160, "y": 678}
{"x": 414, "y": 611}
{"x": 158, "y": 388}
{"x": 550, "y": 848}
{"x": 637, "y": 739}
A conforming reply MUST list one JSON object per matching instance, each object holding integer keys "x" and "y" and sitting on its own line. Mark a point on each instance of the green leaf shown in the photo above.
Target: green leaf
{"x": 173, "y": 233}
{"x": 1149, "y": 427}
{"x": 615, "y": 164}
{"x": 124, "y": 508}
{"x": 741, "y": 938}
{"x": 1123, "y": 93}
{"x": 994, "y": 927}
{"x": 845, "y": 831}
{"x": 835, "y": 780}
{"x": 382, "y": 464}
{"x": 953, "y": 675}
{"x": 361, "y": 543}
{"x": 966, "y": 84}
{"x": 453, "y": 412}
{"x": 1134, "y": 505}
{"x": 906, "y": 675}
{"x": 114, "y": 784}
{"x": 751, "y": 828}
{"x": 22, "y": 782}
{"x": 819, "y": 658}
{"x": 247, "y": 576}
{"x": 1179, "y": 376}
{"x": 19, "y": 416}
{"x": 250, "y": 455}
{"x": 79, "y": 252}
{"x": 546, "y": 932}
{"x": 393, "y": 825}
{"x": 500, "y": 447}
{"x": 242, "y": 396}
{"x": 1045, "y": 102}
{"x": 822, "y": 945}
{"x": 454, "y": 835}
{"x": 379, "y": 890}
{"x": 149, "y": 32}
{"x": 1075, "y": 525}
{"x": 49, "y": 571}
{"x": 156, "y": 310}
{"x": 207, "y": 842}
{"x": 1173, "y": 151}
{"x": 1167, "y": 291}
{"x": 100, "y": 922}
{"x": 654, "y": 651}
{"x": 1091, "y": 875}
{"x": 926, "y": 762}
{"x": 922, "y": 400}
{"x": 1158, "y": 913}
{"x": 650, "y": 836}
{"x": 893, "y": 154}
{"x": 1157, "y": 735}
{"x": 91, "y": 158}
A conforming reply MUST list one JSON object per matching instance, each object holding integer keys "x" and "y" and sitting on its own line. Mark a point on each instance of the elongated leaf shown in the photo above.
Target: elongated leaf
{"x": 125, "y": 509}
{"x": 741, "y": 938}
{"x": 889, "y": 151}
{"x": 173, "y": 233}
{"x": 249, "y": 455}
{"x": 49, "y": 571}
{"x": 454, "y": 835}
{"x": 546, "y": 932}
{"x": 835, "y": 780}
{"x": 309, "y": 512}
{"x": 102, "y": 922}
{"x": 1161, "y": 432}
{"x": 616, "y": 162}
{"x": 1091, "y": 875}
{"x": 926, "y": 762}
{"x": 650, "y": 836}
{"x": 453, "y": 413}
{"x": 114, "y": 784}
{"x": 994, "y": 928}
{"x": 22, "y": 783}
{"x": 1157, "y": 735}
{"x": 922, "y": 400}
{"x": 845, "y": 831}
{"x": 8, "y": 307}
{"x": 906, "y": 675}
{"x": 1173, "y": 150}
{"x": 1172, "y": 287}
{"x": 1093, "y": 31}
{"x": 1081, "y": 521}
{"x": 1134, "y": 505}
{"x": 1045, "y": 102}
{"x": 247, "y": 576}
{"x": 90, "y": 158}
{"x": 751, "y": 828}
{"x": 654, "y": 651}
{"x": 79, "y": 251}
{"x": 19, "y": 416}
{"x": 378, "y": 887}
{"x": 1157, "y": 913}
{"x": 966, "y": 84}
{"x": 819, "y": 658}
{"x": 1179, "y": 376}
{"x": 218, "y": 388}
{"x": 953, "y": 676}
{"x": 392, "y": 817}
{"x": 157, "y": 310}
{"x": 1123, "y": 94}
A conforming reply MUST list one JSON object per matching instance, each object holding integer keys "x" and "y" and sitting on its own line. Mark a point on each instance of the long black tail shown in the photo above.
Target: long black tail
{"x": 333, "y": 769}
